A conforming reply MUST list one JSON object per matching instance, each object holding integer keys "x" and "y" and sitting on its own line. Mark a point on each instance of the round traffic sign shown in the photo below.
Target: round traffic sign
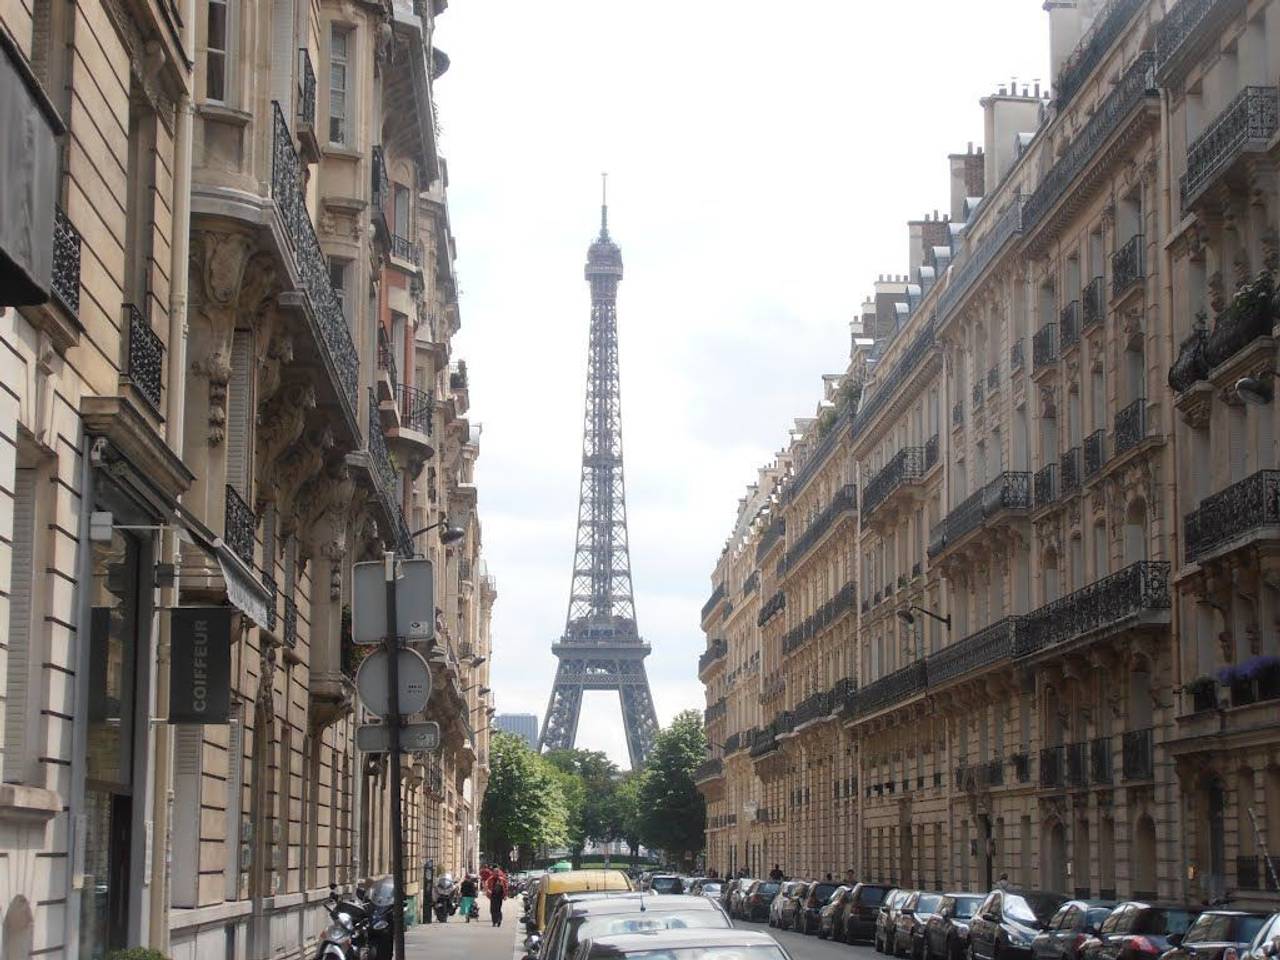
{"x": 415, "y": 682}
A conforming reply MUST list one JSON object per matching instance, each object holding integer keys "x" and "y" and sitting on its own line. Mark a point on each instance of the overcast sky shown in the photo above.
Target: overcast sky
{"x": 763, "y": 161}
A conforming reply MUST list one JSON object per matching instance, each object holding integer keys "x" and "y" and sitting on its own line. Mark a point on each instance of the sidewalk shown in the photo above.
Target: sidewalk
{"x": 459, "y": 940}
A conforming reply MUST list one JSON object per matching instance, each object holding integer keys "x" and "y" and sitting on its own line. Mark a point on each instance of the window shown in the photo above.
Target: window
{"x": 338, "y": 280}
{"x": 401, "y": 212}
{"x": 216, "y": 46}
{"x": 338, "y": 40}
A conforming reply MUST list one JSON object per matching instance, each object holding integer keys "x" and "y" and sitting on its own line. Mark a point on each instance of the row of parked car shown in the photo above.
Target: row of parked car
{"x": 1004, "y": 924}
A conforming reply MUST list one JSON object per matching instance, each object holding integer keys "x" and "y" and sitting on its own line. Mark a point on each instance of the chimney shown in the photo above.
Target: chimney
{"x": 1004, "y": 117}
{"x": 966, "y": 180}
{"x": 1067, "y": 25}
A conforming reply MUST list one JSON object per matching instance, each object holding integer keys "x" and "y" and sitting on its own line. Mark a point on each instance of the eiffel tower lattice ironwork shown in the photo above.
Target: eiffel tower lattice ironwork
{"x": 601, "y": 648}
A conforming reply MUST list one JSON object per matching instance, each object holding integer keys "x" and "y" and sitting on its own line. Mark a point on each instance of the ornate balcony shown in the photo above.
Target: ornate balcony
{"x": 735, "y": 741}
{"x": 845, "y": 500}
{"x": 819, "y": 620}
{"x": 911, "y": 361}
{"x": 1053, "y": 766}
{"x": 1095, "y": 452}
{"x": 1093, "y": 302}
{"x": 807, "y": 470}
{"x": 906, "y": 467}
{"x": 238, "y": 526}
{"x": 1077, "y": 764}
{"x": 1100, "y": 760}
{"x": 410, "y": 251}
{"x": 1069, "y": 326}
{"x": 1131, "y": 426}
{"x": 977, "y": 394}
{"x": 930, "y": 452}
{"x": 1246, "y": 125}
{"x": 716, "y": 711}
{"x": 816, "y": 706}
{"x": 387, "y": 484}
{"x": 771, "y": 608}
{"x": 1044, "y": 347}
{"x": 1137, "y": 83}
{"x": 1009, "y": 491}
{"x": 1128, "y": 265}
{"x": 416, "y": 408}
{"x": 1192, "y": 363}
{"x": 145, "y": 356}
{"x": 708, "y": 770}
{"x": 890, "y": 689}
{"x": 843, "y": 693}
{"x": 1108, "y": 24}
{"x": 332, "y": 334}
{"x": 713, "y": 601}
{"x": 991, "y": 645}
{"x": 1138, "y": 755}
{"x": 1046, "y": 485}
{"x": 715, "y": 653}
{"x": 1071, "y": 471}
{"x": 772, "y": 536}
{"x": 1135, "y": 595}
{"x": 751, "y": 584}
{"x": 1181, "y": 26}
{"x": 1016, "y": 350}
{"x": 974, "y": 261}
{"x": 65, "y": 283}
{"x": 1241, "y": 324}
{"x": 1246, "y": 511}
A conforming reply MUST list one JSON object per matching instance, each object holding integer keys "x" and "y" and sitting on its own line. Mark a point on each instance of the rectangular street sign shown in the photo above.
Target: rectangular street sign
{"x": 376, "y": 737}
{"x": 415, "y": 601}
{"x": 200, "y": 664}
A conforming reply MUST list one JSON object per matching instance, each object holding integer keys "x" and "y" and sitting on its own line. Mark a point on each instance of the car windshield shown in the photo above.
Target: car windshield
{"x": 822, "y": 892}
{"x": 755, "y": 951}
{"x": 1034, "y": 908}
{"x": 966, "y": 907}
{"x": 608, "y": 925}
{"x": 667, "y": 885}
{"x": 872, "y": 896}
{"x": 768, "y": 889}
{"x": 711, "y": 888}
{"x": 1161, "y": 921}
{"x": 1096, "y": 915}
{"x": 928, "y": 903}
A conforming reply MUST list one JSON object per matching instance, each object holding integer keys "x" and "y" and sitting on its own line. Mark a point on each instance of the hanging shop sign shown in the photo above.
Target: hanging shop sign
{"x": 200, "y": 664}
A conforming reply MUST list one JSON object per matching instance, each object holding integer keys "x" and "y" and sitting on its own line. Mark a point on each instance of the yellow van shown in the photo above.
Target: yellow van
{"x": 553, "y": 887}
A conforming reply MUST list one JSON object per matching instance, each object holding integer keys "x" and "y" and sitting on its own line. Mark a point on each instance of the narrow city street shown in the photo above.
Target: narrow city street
{"x": 459, "y": 940}
{"x": 803, "y": 947}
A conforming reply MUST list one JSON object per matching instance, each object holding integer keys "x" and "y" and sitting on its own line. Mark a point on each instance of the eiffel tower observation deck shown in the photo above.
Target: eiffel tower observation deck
{"x": 601, "y": 648}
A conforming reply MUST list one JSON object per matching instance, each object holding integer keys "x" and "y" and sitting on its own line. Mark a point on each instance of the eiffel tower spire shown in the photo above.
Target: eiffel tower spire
{"x": 601, "y": 648}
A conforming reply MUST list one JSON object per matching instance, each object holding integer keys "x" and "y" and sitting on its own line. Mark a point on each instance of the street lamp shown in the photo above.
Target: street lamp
{"x": 477, "y": 660}
{"x": 1256, "y": 390}
{"x": 908, "y": 617}
{"x": 448, "y": 534}
{"x": 483, "y": 689}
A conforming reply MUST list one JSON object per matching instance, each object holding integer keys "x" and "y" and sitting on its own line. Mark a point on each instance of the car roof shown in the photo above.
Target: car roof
{"x": 964, "y": 893}
{"x": 1226, "y": 912}
{"x": 676, "y": 939}
{"x": 637, "y": 902}
{"x": 574, "y": 881}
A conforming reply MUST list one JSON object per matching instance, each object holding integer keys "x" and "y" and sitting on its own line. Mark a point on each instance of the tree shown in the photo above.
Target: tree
{"x": 524, "y": 805}
{"x": 673, "y": 814}
{"x": 597, "y": 776}
{"x": 624, "y": 815}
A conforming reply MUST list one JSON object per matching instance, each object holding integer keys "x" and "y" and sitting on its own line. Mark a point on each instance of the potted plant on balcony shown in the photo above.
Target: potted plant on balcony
{"x": 1251, "y": 314}
{"x": 1234, "y": 678}
{"x": 1203, "y": 692}
{"x": 1263, "y": 674}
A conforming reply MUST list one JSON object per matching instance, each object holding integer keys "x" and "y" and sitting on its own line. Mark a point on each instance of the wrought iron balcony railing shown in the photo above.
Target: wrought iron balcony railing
{"x": 1077, "y": 764}
{"x": 1010, "y": 490}
{"x": 993, "y": 378}
{"x": 716, "y": 711}
{"x": 1095, "y": 452}
{"x": 1137, "y": 83}
{"x": 1192, "y": 363}
{"x": 772, "y": 534}
{"x": 1107, "y": 27}
{"x": 1138, "y": 754}
{"x": 930, "y": 452}
{"x": 821, "y": 451}
{"x": 713, "y": 601}
{"x": 405, "y": 249}
{"x": 238, "y": 526}
{"x": 290, "y": 199}
{"x": 1128, "y": 264}
{"x": 1230, "y": 514}
{"x": 1093, "y": 302}
{"x": 1106, "y": 604}
{"x": 751, "y": 584}
{"x": 1179, "y": 25}
{"x": 843, "y": 693}
{"x": 973, "y": 262}
{"x": 906, "y": 466}
{"x": 145, "y": 351}
{"x": 306, "y": 89}
{"x": 1046, "y": 485}
{"x": 65, "y": 282}
{"x": 1071, "y": 474}
{"x": 1044, "y": 347}
{"x": 1016, "y": 350}
{"x": 416, "y": 407}
{"x": 887, "y": 384}
{"x": 380, "y": 186}
{"x": 388, "y": 480}
{"x": 1053, "y": 766}
{"x": 845, "y": 499}
{"x": 771, "y": 608}
{"x": 957, "y": 414}
{"x": 1232, "y": 332}
{"x": 813, "y": 707}
{"x": 387, "y": 358}
{"x": 290, "y": 622}
{"x": 1248, "y": 121}
{"x": 820, "y": 619}
{"x": 1069, "y": 326}
{"x": 992, "y": 644}
{"x": 1131, "y": 426}
{"x": 890, "y": 689}
{"x": 1021, "y": 767}
{"x": 1100, "y": 760}
{"x": 718, "y": 650}
{"x": 710, "y": 769}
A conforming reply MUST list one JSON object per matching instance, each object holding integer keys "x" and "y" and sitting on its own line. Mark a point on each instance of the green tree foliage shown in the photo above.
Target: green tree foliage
{"x": 597, "y": 777}
{"x": 624, "y": 815}
{"x": 673, "y": 814}
{"x": 524, "y": 803}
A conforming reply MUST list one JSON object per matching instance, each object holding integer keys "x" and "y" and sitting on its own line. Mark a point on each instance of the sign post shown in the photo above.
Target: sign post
{"x": 394, "y": 719}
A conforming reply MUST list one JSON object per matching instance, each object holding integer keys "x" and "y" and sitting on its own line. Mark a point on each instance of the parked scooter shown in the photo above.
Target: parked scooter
{"x": 345, "y": 936}
{"x": 446, "y": 898}
{"x": 381, "y": 902}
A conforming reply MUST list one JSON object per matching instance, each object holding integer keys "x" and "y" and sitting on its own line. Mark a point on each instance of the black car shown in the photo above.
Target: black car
{"x": 810, "y": 915}
{"x": 863, "y": 910}
{"x": 1218, "y": 935}
{"x": 755, "y": 906}
{"x": 1008, "y": 921}
{"x": 946, "y": 935}
{"x": 1075, "y": 923}
{"x": 887, "y": 917}
{"x": 1140, "y": 931}
{"x": 908, "y": 932}
{"x": 831, "y": 916}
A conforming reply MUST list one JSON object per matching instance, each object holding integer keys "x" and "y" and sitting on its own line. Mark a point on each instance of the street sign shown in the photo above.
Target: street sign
{"x": 415, "y": 682}
{"x": 376, "y": 737}
{"x": 415, "y": 601}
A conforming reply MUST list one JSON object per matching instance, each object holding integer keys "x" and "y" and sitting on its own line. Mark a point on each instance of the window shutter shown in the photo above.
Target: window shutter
{"x": 240, "y": 412}
{"x": 235, "y": 786}
{"x": 284, "y": 58}
{"x": 18, "y": 676}
{"x": 187, "y": 770}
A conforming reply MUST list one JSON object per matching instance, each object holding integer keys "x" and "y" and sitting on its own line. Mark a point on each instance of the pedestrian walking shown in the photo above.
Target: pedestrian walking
{"x": 497, "y": 893}
{"x": 468, "y": 897}
{"x": 775, "y": 873}
{"x": 1003, "y": 882}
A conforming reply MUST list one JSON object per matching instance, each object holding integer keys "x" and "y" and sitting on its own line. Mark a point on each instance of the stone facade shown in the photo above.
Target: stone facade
{"x": 242, "y": 373}
{"x": 1059, "y": 660}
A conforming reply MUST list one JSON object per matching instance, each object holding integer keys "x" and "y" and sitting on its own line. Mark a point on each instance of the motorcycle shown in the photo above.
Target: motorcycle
{"x": 446, "y": 898}
{"x": 380, "y": 937}
{"x": 345, "y": 936}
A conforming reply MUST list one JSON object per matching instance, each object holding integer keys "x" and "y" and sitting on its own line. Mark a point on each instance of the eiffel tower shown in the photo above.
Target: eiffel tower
{"x": 601, "y": 648}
